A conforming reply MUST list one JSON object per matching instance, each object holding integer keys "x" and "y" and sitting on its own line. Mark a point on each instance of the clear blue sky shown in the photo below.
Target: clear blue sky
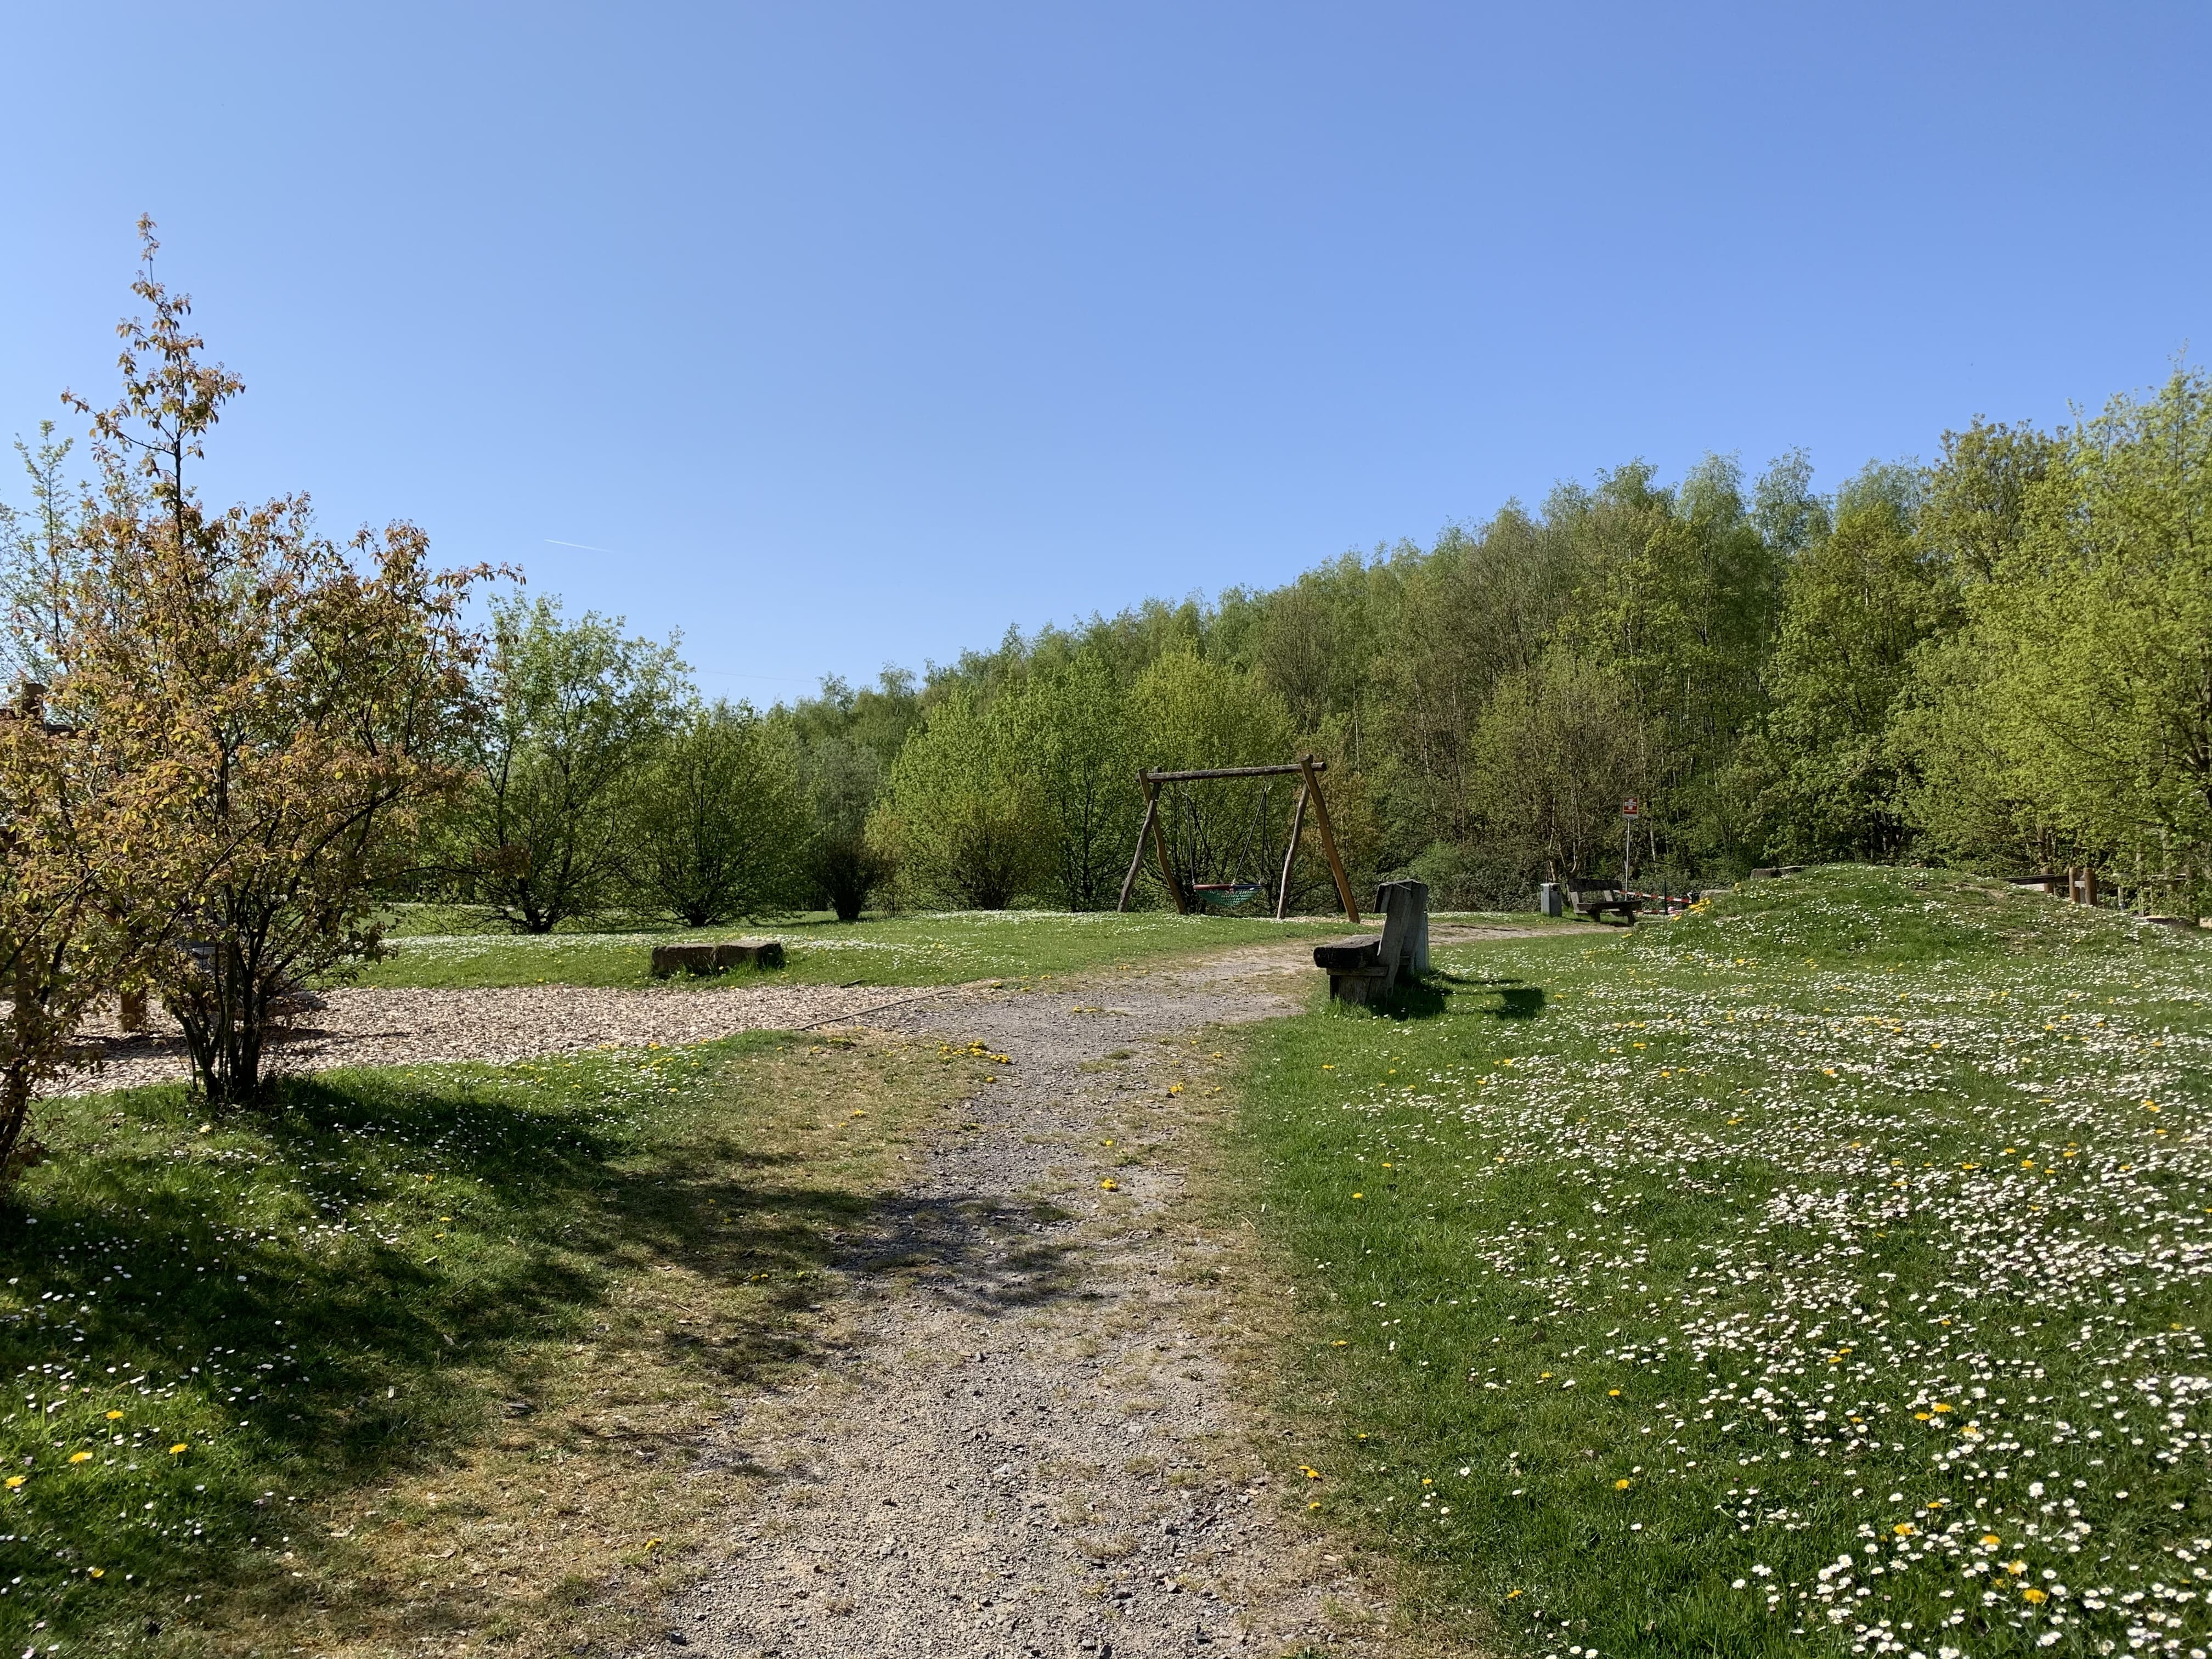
{"x": 854, "y": 333}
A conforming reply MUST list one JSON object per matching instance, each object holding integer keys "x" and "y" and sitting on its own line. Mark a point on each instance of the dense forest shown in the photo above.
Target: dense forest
{"x": 2003, "y": 660}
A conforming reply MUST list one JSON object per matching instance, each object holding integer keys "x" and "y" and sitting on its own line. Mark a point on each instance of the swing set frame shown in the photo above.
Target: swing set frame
{"x": 1307, "y": 769}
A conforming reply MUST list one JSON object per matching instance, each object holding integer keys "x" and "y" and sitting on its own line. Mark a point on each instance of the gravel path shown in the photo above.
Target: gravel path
{"x": 368, "y": 1027}
{"x": 1029, "y": 1447}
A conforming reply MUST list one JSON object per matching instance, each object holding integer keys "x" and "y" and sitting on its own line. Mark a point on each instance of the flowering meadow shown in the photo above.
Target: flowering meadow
{"x": 405, "y": 1358}
{"x": 913, "y": 949}
{"x": 1823, "y": 1272}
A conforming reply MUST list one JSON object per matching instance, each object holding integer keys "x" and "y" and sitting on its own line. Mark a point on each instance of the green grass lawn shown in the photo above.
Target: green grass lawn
{"x": 1822, "y": 1272}
{"x": 416, "y": 1355}
{"x": 918, "y": 949}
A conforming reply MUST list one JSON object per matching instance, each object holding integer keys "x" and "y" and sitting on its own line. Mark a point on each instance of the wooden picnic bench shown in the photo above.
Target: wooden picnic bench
{"x": 1596, "y": 899}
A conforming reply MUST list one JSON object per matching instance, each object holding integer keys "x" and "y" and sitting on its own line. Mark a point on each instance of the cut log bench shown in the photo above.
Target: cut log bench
{"x": 1364, "y": 970}
{"x": 669, "y": 960}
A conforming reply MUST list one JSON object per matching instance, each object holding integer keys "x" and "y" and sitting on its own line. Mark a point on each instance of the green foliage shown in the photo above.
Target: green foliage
{"x": 842, "y": 780}
{"x": 717, "y": 825}
{"x": 575, "y": 713}
{"x": 958, "y": 821}
{"x": 2070, "y": 721}
{"x": 1071, "y": 722}
{"x": 1557, "y": 749}
{"x": 1858, "y": 605}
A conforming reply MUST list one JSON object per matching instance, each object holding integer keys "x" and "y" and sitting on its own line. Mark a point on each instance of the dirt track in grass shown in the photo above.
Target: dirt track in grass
{"x": 1027, "y": 1443}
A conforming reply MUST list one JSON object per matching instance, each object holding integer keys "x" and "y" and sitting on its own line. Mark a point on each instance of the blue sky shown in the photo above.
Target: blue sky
{"x": 836, "y": 335}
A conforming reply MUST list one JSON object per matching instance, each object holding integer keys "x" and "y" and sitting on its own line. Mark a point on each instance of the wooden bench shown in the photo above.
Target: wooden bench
{"x": 1363, "y": 969}
{"x": 669, "y": 960}
{"x": 1595, "y": 902}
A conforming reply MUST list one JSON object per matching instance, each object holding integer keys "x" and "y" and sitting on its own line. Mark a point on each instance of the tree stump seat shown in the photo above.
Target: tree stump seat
{"x": 669, "y": 960}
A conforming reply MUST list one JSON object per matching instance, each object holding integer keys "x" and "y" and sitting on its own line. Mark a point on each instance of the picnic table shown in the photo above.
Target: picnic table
{"x": 1597, "y": 899}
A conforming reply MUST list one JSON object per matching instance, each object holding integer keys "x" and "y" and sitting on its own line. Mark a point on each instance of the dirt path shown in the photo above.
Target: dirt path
{"x": 374, "y": 1027}
{"x": 1030, "y": 1448}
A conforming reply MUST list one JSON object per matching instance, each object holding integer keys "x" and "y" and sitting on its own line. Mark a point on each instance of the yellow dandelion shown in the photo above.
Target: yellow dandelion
{"x": 1359, "y": 1194}
{"x": 1620, "y": 1485}
{"x": 1109, "y": 1185}
{"x": 115, "y": 1417}
{"x": 80, "y": 1457}
{"x": 1905, "y": 1529}
{"x": 180, "y": 1447}
{"x": 1990, "y": 1541}
{"x": 2032, "y": 1593}
{"x": 15, "y": 1480}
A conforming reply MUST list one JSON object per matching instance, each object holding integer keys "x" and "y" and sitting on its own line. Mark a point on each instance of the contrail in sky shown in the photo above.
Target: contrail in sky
{"x": 581, "y": 546}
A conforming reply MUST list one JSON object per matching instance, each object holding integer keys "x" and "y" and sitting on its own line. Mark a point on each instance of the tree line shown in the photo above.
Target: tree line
{"x": 235, "y": 738}
{"x": 2002, "y": 659}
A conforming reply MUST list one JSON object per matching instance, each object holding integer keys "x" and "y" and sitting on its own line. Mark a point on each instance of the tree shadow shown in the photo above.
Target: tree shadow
{"x": 343, "y": 1288}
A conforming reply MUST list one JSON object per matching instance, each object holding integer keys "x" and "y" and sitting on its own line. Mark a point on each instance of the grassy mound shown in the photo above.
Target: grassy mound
{"x": 1823, "y": 1272}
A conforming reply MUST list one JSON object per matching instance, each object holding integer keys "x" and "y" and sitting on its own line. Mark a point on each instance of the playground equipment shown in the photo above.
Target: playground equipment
{"x": 1226, "y": 891}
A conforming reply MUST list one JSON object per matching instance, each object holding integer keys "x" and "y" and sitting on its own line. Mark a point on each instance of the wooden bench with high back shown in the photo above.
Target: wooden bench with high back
{"x": 1363, "y": 969}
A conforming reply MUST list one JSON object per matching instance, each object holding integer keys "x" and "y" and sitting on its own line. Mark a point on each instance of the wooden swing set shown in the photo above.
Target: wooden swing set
{"x": 1223, "y": 897}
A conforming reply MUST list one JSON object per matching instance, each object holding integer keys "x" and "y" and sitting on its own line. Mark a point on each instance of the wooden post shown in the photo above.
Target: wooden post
{"x": 1297, "y": 827}
{"x": 1143, "y": 829}
{"x": 1328, "y": 839}
{"x": 1167, "y": 869}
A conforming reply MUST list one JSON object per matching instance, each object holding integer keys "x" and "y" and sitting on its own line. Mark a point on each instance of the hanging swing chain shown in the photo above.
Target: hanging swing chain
{"x": 1197, "y": 855}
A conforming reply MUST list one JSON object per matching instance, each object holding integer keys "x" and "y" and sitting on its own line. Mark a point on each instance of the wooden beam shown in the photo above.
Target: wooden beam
{"x": 1234, "y": 771}
{"x": 1283, "y": 887}
{"x": 1137, "y": 858}
{"x": 1167, "y": 870}
{"x": 1309, "y": 766}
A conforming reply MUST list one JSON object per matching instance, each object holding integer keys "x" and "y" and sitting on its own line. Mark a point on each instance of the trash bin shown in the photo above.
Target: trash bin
{"x": 1549, "y": 900}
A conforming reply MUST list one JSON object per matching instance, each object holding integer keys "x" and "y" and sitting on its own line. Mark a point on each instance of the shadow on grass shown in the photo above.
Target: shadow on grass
{"x": 341, "y": 1289}
{"x": 1431, "y": 995}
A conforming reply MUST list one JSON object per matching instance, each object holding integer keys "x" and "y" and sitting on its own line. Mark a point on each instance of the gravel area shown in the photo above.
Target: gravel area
{"x": 1029, "y": 1445}
{"x": 365, "y": 1027}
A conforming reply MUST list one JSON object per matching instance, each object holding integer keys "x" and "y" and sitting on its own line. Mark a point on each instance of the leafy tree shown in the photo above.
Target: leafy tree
{"x": 89, "y": 868}
{"x": 38, "y": 559}
{"x": 1187, "y": 713}
{"x": 574, "y": 711}
{"x": 717, "y": 827}
{"x": 275, "y": 709}
{"x": 842, "y": 780}
{"x": 1679, "y": 602}
{"x": 1071, "y": 725}
{"x": 1557, "y": 749}
{"x": 1859, "y": 604}
{"x": 960, "y": 818}
{"x": 2092, "y": 636}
